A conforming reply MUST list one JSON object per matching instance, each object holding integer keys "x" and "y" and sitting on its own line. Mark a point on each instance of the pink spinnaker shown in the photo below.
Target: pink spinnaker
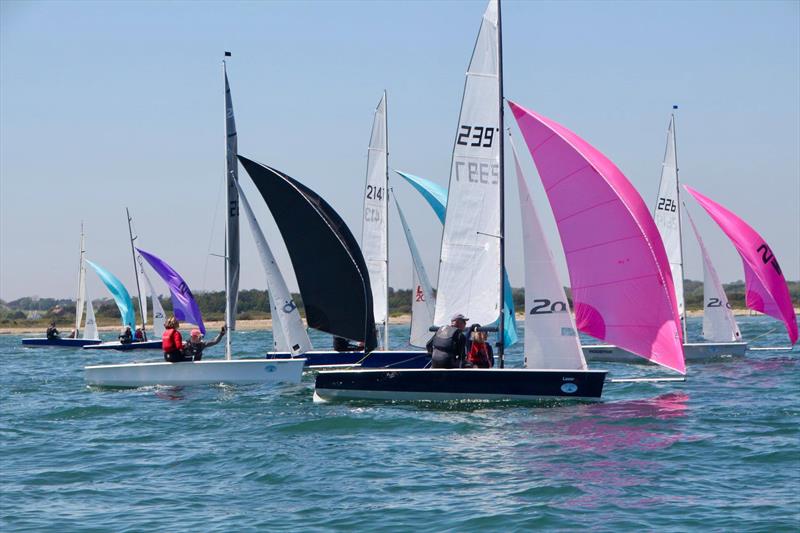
{"x": 765, "y": 286}
{"x": 620, "y": 276}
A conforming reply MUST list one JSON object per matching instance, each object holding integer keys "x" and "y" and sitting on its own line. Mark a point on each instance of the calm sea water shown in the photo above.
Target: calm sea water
{"x": 719, "y": 452}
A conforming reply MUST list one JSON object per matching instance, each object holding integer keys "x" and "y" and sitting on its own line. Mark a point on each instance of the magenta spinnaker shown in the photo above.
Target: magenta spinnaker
{"x": 618, "y": 269}
{"x": 766, "y": 288}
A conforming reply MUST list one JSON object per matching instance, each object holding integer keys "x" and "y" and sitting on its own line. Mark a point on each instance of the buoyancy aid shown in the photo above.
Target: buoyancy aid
{"x": 171, "y": 340}
{"x": 445, "y": 340}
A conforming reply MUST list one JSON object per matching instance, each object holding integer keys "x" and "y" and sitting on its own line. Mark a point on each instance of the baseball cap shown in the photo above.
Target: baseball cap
{"x": 458, "y": 316}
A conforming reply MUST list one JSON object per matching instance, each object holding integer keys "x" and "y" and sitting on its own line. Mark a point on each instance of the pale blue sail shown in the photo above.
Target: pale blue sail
{"x": 120, "y": 294}
{"x": 436, "y": 196}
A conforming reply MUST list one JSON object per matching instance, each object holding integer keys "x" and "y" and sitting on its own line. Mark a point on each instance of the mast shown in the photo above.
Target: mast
{"x": 228, "y": 306}
{"x": 81, "y": 286}
{"x": 501, "y": 323}
{"x": 680, "y": 230}
{"x": 386, "y": 211}
{"x": 136, "y": 274}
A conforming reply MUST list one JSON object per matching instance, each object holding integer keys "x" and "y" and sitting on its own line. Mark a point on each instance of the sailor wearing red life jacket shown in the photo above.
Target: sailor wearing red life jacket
{"x": 172, "y": 342}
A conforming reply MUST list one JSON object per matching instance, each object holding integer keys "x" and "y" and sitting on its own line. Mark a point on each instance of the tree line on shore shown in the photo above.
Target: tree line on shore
{"x": 253, "y": 304}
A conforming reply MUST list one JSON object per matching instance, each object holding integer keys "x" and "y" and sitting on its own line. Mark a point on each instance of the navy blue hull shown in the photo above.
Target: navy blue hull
{"x": 65, "y": 343}
{"x": 455, "y": 384}
{"x": 148, "y": 345}
{"x": 376, "y": 359}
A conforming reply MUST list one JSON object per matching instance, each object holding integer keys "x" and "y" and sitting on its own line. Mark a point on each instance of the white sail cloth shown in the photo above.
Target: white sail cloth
{"x": 551, "y": 338}
{"x": 90, "y": 330}
{"x": 374, "y": 243}
{"x": 158, "y": 310}
{"x": 469, "y": 267}
{"x": 232, "y": 226}
{"x": 667, "y": 215}
{"x": 81, "y": 287}
{"x": 719, "y": 324}
{"x": 286, "y": 319}
{"x": 423, "y": 301}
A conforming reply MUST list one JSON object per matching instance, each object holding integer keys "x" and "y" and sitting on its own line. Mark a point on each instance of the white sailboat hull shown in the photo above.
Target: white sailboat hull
{"x": 239, "y": 371}
{"x": 694, "y": 352}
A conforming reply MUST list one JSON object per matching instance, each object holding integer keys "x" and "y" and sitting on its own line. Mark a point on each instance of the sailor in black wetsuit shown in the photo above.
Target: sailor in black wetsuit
{"x": 52, "y": 332}
{"x": 126, "y": 337}
{"x": 193, "y": 350}
{"x": 448, "y": 345}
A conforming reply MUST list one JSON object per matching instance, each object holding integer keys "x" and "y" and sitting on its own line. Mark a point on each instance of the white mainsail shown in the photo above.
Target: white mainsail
{"x": 232, "y": 220}
{"x": 423, "y": 301}
{"x": 469, "y": 265}
{"x": 719, "y": 324}
{"x": 551, "y": 338}
{"x": 90, "y": 331}
{"x": 81, "y": 287}
{"x": 374, "y": 236}
{"x": 667, "y": 215}
{"x": 285, "y": 315}
{"x": 279, "y": 343}
{"x": 158, "y": 310}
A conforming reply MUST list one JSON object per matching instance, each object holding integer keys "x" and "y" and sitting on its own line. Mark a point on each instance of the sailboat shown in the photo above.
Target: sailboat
{"x": 144, "y": 344}
{"x": 766, "y": 288}
{"x": 667, "y": 215}
{"x": 90, "y": 335}
{"x": 207, "y": 371}
{"x": 472, "y": 256}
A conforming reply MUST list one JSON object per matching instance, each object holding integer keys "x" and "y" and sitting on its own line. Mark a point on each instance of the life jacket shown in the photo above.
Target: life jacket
{"x": 171, "y": 340}
{"x": 479, "y": 355}
{"x": 445, "y": 340}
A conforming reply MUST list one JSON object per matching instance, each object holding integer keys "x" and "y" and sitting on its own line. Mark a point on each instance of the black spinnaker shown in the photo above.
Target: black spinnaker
{"x": 327, "y": 260}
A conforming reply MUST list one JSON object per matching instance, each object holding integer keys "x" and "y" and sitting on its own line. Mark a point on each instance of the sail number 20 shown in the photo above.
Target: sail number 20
{"x": 482, "y": 136}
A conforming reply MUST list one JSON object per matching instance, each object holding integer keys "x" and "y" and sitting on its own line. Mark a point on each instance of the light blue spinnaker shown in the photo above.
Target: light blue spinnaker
{"x": 436, "y": 197}
{"x": 120, "y": 294}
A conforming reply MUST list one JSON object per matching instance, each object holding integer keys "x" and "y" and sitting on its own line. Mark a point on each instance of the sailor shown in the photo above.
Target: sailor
{"x": 52, "y": 331}
{"x": 138, "y": 336}
{"x": 193, "y": 350}
{"x": 126, "y": 337}
{"x": 172, "y": 342}
{"x": 480, "y": 353}
{"x": 448, "y": 345}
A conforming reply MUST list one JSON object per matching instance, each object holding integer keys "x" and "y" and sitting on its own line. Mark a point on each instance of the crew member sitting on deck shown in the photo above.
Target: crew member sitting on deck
{"x": 340, "y": 344}
{"x": 52, "y": 331}
{"x": 480, "y": 352}
{"x": 448, "y": 345}
{"x": 193, "y": 350}
{"x": 138, "y": 336}
{"x": 126, "y": 337}
{"x": 172, "y": 342}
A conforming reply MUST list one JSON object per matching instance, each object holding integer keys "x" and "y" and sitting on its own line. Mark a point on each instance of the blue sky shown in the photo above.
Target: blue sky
{"x": 107, "y": 105}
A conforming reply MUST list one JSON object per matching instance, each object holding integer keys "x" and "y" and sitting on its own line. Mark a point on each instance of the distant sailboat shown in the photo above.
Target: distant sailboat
{"x": 207, "y": 371}
{"x": 90, "y": 335}
{"x": 667, "y": 216}
{"x": 766, "y": 288}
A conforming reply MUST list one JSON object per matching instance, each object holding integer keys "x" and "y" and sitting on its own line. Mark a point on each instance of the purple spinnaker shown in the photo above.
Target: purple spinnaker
{"x": 184, "y": 306}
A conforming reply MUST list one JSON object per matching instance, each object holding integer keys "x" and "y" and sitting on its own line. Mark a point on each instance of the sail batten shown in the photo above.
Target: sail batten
{"x": 766, "y": 288}
{"x": 338, "y": 299}
{"x": 620, "y": 278}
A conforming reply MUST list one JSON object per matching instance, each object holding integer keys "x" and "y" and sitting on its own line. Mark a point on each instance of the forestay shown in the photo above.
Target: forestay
{"x": 184, "y": 305}
{"x": 469, "y": 267}
{"x": 337, "y": 298}
{"x": 719, "y": 325}
{"x": 620, "y": 277}
{"x": 667, "y": 215}
{"x": 374, "y": 242}
{"x": 551, "y": 339}
{"x": 766, "y": 288}
{"x": 286, "y": 319}
{"x": 423, "y": 301}
{"x": 232, "y": 173}
{"x": 120, "y": 294}
{"x": 158, "y": 310}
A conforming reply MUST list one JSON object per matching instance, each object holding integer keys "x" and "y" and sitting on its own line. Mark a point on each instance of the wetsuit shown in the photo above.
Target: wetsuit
{"x": 194, "y": 350}
{"x": 447, "y": 348}
{"x": 52, "y": 333}
{"x": 126, "y": 337}
{"x": 172, "y": 344}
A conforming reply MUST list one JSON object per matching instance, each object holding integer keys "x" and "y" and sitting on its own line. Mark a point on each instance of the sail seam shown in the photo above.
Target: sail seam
{"x": 584, "y": 210}
{"x": 623, "y": 280}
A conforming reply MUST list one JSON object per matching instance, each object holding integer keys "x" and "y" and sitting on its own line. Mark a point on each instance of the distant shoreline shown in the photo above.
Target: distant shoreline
{"x": 259, "y": 324}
